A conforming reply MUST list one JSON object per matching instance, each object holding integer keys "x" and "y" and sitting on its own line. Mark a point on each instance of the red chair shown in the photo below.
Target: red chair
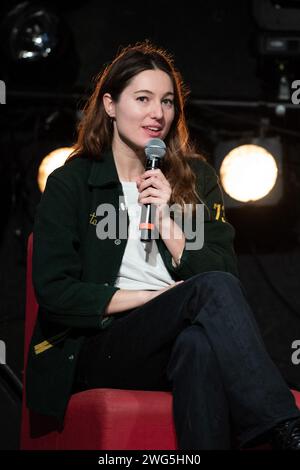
{"x": 101, "y": 419}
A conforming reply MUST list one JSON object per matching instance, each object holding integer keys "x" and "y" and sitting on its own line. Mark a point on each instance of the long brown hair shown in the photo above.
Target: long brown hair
{"x": 95, "y": 131}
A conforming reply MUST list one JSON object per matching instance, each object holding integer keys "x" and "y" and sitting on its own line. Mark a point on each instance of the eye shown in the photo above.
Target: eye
{"x": 168, "y": 102}
{"x": 143, "y": 99}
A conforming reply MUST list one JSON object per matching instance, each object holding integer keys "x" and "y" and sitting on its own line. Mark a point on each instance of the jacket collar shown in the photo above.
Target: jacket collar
{"x": 104, "y": 171}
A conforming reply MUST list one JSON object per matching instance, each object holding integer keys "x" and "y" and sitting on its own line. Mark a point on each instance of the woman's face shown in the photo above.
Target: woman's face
{"x": 145, "y": 109}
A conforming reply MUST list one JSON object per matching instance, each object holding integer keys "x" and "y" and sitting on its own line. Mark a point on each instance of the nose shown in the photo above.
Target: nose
{"x": 156, "y": 111}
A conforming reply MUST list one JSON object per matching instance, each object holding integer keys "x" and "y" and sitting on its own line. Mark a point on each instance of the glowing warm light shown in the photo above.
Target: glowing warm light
{"x": 52, "y": 161}
{"x": 248, "y": 173}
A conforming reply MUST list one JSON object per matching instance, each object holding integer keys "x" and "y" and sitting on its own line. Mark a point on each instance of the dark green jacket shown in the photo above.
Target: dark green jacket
{"x": 74, "y": 271}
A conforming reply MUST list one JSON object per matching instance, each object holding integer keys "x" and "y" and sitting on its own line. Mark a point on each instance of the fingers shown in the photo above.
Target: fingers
{"x": 153, "y": 191}
{"x": 176, "y": 283}
{"x": 153, "y": 176}
{"x": 152, "y": 181}
{"x": 154, "y": 172}
{"x": 150, "y": 192}
{"x": 164, "y": 289}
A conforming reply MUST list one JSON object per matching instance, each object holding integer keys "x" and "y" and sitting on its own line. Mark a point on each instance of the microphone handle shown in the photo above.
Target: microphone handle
{"x": 152, "y": 163}
{"x": 147, "y": 228}
{"x": 147, "y": 224}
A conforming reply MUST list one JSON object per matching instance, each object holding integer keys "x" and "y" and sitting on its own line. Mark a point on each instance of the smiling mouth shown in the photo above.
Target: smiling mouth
{"x": 152, "y": 128}
{"x": 153, "y": 131}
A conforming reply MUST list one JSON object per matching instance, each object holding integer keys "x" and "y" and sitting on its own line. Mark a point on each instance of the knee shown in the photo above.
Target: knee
{"x": 218, "y": 281}
{"x": 193, "y": 341}
{"x": 218, "y": 277}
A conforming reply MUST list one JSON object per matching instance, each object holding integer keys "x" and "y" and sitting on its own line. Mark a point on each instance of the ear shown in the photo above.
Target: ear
{"x": 109, "y": 105}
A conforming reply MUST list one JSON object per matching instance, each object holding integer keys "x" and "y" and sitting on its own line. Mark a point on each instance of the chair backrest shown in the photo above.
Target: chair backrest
{"x": 31, "y": 307}
{"x": 31, "y": 310}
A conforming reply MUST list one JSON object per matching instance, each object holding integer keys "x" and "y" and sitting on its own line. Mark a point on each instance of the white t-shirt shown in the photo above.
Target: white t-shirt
{"x": 142, "y": 265}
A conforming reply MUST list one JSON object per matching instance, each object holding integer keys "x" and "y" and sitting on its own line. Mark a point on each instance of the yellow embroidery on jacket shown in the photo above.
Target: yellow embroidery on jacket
{"x": 93, "y": 218}
{"x": 49, "y": 343}
{"x": 219, "y": 211}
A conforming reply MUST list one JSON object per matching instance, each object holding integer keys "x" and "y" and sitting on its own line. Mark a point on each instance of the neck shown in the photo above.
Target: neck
{"x": 130, "y": 164}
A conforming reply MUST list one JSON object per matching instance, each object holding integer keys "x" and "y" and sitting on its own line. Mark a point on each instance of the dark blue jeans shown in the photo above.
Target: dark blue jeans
{"x": 199, "y": 340}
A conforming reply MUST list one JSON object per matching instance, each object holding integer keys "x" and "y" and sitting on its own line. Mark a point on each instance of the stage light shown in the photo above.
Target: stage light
{"x": 53, "y": 160}
{"x": 34, "y": 34}
{"x": 250, "y": 171}
{"x": 37, "y": 47}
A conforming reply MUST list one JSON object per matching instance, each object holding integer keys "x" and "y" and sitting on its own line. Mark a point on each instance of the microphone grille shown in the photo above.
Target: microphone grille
{"x": 155, "y": 147}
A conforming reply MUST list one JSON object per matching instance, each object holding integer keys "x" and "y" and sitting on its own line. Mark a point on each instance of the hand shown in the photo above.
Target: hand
{"x": 152, "y": 294}
{"x": 154, "y": 188}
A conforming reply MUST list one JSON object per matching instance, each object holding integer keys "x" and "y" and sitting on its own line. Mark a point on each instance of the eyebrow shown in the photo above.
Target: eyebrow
{"x": 151, "y": 92}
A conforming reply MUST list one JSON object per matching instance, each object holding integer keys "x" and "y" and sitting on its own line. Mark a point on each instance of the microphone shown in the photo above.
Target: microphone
{"x": 155, "y": 150}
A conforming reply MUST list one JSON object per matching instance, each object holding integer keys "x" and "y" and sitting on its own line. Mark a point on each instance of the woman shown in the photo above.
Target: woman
{"x": 114, "y": 311}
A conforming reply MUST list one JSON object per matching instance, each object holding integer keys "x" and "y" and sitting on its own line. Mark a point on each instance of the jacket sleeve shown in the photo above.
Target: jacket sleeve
{"x": 56, "y": 264}
{"x": 216, "y": 253}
